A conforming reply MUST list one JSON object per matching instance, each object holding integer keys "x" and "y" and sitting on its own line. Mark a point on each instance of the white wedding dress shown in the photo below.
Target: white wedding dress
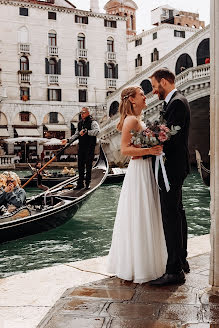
{"x": 138, "y": 249}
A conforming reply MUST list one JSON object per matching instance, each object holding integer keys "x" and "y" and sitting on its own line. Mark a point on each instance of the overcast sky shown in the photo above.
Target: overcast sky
{"x": 145, "y": 6}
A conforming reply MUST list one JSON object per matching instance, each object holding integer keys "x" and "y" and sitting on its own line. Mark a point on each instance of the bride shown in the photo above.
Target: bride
{"x": 138, "y": 249}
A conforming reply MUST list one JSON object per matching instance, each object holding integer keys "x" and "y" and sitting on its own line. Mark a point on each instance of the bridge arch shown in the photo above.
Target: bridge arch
{"x": 113, "y": 108}
{"x": 146, "y": 86}
{"x": 203, "y": 51}
{"x": 183, "y": 62}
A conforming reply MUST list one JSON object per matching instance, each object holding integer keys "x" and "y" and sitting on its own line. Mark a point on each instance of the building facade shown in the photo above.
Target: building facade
{"x": 55, "y": 59}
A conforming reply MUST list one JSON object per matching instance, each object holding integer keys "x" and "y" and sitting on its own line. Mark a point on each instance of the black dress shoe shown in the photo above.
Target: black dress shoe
{"x": 169, "y": 279}
{"x": 185, "y": 266}
{"x": 87, "y": 187}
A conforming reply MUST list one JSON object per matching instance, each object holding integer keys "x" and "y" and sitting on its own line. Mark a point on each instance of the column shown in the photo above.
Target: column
{"x": 214, "y": 145}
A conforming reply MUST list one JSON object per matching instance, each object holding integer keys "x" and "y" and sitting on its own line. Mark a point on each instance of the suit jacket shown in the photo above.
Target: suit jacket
{"x": 176, "y": 149}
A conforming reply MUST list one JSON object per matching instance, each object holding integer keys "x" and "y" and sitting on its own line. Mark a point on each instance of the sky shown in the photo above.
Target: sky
{"x": 145, "y": 7}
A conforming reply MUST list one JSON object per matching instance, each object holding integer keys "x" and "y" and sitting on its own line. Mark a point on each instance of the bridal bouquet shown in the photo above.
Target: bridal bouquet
{"x": 156, "y": 133}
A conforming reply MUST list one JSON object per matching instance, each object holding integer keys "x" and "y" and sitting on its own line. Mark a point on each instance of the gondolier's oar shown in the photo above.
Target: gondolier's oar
{"x": 50, "y": 161}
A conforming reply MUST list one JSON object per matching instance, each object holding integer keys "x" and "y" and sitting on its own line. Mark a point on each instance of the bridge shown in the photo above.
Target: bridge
{"x": 193, "y": 82}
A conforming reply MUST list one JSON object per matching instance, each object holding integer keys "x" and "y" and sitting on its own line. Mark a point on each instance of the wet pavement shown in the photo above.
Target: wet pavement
{"x": 114, "y": 303}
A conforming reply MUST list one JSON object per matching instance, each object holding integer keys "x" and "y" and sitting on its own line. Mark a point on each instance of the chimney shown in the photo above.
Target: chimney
{"x": 94, "y": 6}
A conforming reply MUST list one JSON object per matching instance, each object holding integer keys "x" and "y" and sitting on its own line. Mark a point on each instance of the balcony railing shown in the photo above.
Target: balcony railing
{"x": 82, "y": 81}
{"x": 138, "y": 69}
{"x": 7, "y": 161}
{"x": 24, "y": 77}
{"x": 82, "y": 53}
{"x": 111, "y": 83}
{"x": 111, "y": 56}
{"x": 53, "y": 51}
{"x": 24, "y": 48}
{"x": 53, "y": 79}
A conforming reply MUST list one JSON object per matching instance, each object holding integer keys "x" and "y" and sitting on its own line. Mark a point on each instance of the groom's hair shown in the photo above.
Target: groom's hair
{"x": 163, "y": 73}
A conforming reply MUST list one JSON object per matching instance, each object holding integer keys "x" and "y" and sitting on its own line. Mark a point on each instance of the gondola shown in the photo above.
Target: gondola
{"x": 203, "y": 170}
{"x": 115, "y": 175}
{"x": 51, "y": 208}
{"x": 48, "y": 180}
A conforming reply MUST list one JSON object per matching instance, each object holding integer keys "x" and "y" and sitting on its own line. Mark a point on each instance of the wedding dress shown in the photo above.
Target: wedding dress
{"x": 138, "y": 249}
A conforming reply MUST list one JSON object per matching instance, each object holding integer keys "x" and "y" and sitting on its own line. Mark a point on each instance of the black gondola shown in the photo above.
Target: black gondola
{"x": 203, "y": 170}
{"x": 116, "y": 175}
{"x": 51, "y": 208}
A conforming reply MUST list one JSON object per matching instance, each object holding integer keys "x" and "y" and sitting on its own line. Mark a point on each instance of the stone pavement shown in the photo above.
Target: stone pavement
{"x": 113, "y": 303}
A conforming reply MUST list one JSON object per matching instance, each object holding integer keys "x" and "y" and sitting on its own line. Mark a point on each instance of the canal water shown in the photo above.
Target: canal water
{"x": 88, "y": 233}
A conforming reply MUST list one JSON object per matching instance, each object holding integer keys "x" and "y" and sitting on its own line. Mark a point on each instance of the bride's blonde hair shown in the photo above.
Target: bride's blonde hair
{"x": 125, "y": 106}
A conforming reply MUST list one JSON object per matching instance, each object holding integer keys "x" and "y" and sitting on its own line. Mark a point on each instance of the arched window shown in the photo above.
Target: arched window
{"x": 113, "y": 108}
{"x": 146, "y": 86}
{"x": 23, "y": 35}
{"x": 52, "y": 39}
{"x": 24, "y": 63}
{"x": 127, "y": 22}
{"x": 203, "y": 51}
{"x": 155, "y": 55}
{"x": 52, "y": 66}
{"x": 110, "y": 45}
{"x": 81, "y": 41}
{"x": 132, "y": 22}
{"x": 183, "y": 62}
{"x": 138, "y": 61}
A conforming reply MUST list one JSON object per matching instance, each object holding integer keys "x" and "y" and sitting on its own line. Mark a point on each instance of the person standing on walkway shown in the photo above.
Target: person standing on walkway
{"x": 138, "y": 250}
{"x": 176, "y": 111}
{"x": 87, "y": 131}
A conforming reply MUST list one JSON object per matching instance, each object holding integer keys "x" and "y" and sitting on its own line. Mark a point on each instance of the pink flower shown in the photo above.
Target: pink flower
{"x": 162, "y": 136}
{"x": 164, "y": 128}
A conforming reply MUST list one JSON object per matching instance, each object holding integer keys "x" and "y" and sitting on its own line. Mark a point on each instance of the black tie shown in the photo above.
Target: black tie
{"x": 162, "y": 112}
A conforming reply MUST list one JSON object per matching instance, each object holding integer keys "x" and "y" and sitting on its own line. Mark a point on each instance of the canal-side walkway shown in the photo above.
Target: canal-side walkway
{"x": 81, "y": 294}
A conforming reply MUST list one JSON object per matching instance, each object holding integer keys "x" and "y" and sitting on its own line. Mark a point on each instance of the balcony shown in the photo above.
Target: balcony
{"x": 24, "y": 76}
{"x": 53, "y": 79}
{"x": 138, "y": 70}
{"x": 111, "y": 56}
{"x": 111, "y": 83}
{"x": 82, "y": 53}
{"x": 53, "y": 51}
{"x": 24, "y": 48}
{"x": 82, "y": 81}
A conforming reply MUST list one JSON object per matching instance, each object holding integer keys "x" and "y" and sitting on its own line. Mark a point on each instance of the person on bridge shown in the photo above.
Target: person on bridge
{"x": 87, "y": 131}
{"x": 176, "y": 111}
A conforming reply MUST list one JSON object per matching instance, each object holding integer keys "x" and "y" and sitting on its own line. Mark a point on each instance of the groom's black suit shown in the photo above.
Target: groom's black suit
{"x": 177, "y": 166}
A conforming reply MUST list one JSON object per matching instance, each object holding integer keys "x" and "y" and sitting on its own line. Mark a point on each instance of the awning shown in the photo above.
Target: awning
{"x": 28, "y": 132}
{"x": 57, "y": 127}
{"x": 4, "y": 133}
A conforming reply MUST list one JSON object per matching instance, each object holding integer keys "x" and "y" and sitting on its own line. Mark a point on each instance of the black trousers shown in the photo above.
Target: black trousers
{"x": 175, "y": 226}
{"x": 85, "y": 160}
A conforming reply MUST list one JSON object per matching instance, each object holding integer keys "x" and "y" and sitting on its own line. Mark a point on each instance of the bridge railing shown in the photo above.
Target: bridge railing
{"x": 191, "y": 74}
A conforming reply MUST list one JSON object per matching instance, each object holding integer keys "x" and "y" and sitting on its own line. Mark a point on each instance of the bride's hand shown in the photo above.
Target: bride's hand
{"x": 156, "y": 150}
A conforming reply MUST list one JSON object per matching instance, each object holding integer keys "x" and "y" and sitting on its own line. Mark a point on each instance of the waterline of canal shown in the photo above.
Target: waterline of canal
{"x": 88, "y": 233}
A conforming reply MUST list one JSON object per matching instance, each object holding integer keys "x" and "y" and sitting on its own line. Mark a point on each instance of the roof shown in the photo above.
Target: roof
{"x": 126, "y": 3}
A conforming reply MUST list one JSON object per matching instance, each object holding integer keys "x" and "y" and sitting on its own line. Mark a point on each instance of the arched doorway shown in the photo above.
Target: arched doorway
{"x": 146, "y": 86}
{"x": 113, "y": 108}
{"x": 203, "y": 51}
{"x": 183, "y": 62}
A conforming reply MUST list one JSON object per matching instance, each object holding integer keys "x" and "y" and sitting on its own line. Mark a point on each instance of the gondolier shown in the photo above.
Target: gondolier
{"x": 86, "y": 132}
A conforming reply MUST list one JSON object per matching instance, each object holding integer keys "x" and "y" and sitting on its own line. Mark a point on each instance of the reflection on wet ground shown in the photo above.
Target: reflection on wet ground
{"x": 114, "y": 303}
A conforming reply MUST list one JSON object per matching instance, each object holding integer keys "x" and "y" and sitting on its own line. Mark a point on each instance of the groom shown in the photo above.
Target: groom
{"x": 176, "y": 111}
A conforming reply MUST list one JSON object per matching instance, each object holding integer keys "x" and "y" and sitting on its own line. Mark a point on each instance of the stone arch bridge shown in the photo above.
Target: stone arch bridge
{"x": 193, "y": 81}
